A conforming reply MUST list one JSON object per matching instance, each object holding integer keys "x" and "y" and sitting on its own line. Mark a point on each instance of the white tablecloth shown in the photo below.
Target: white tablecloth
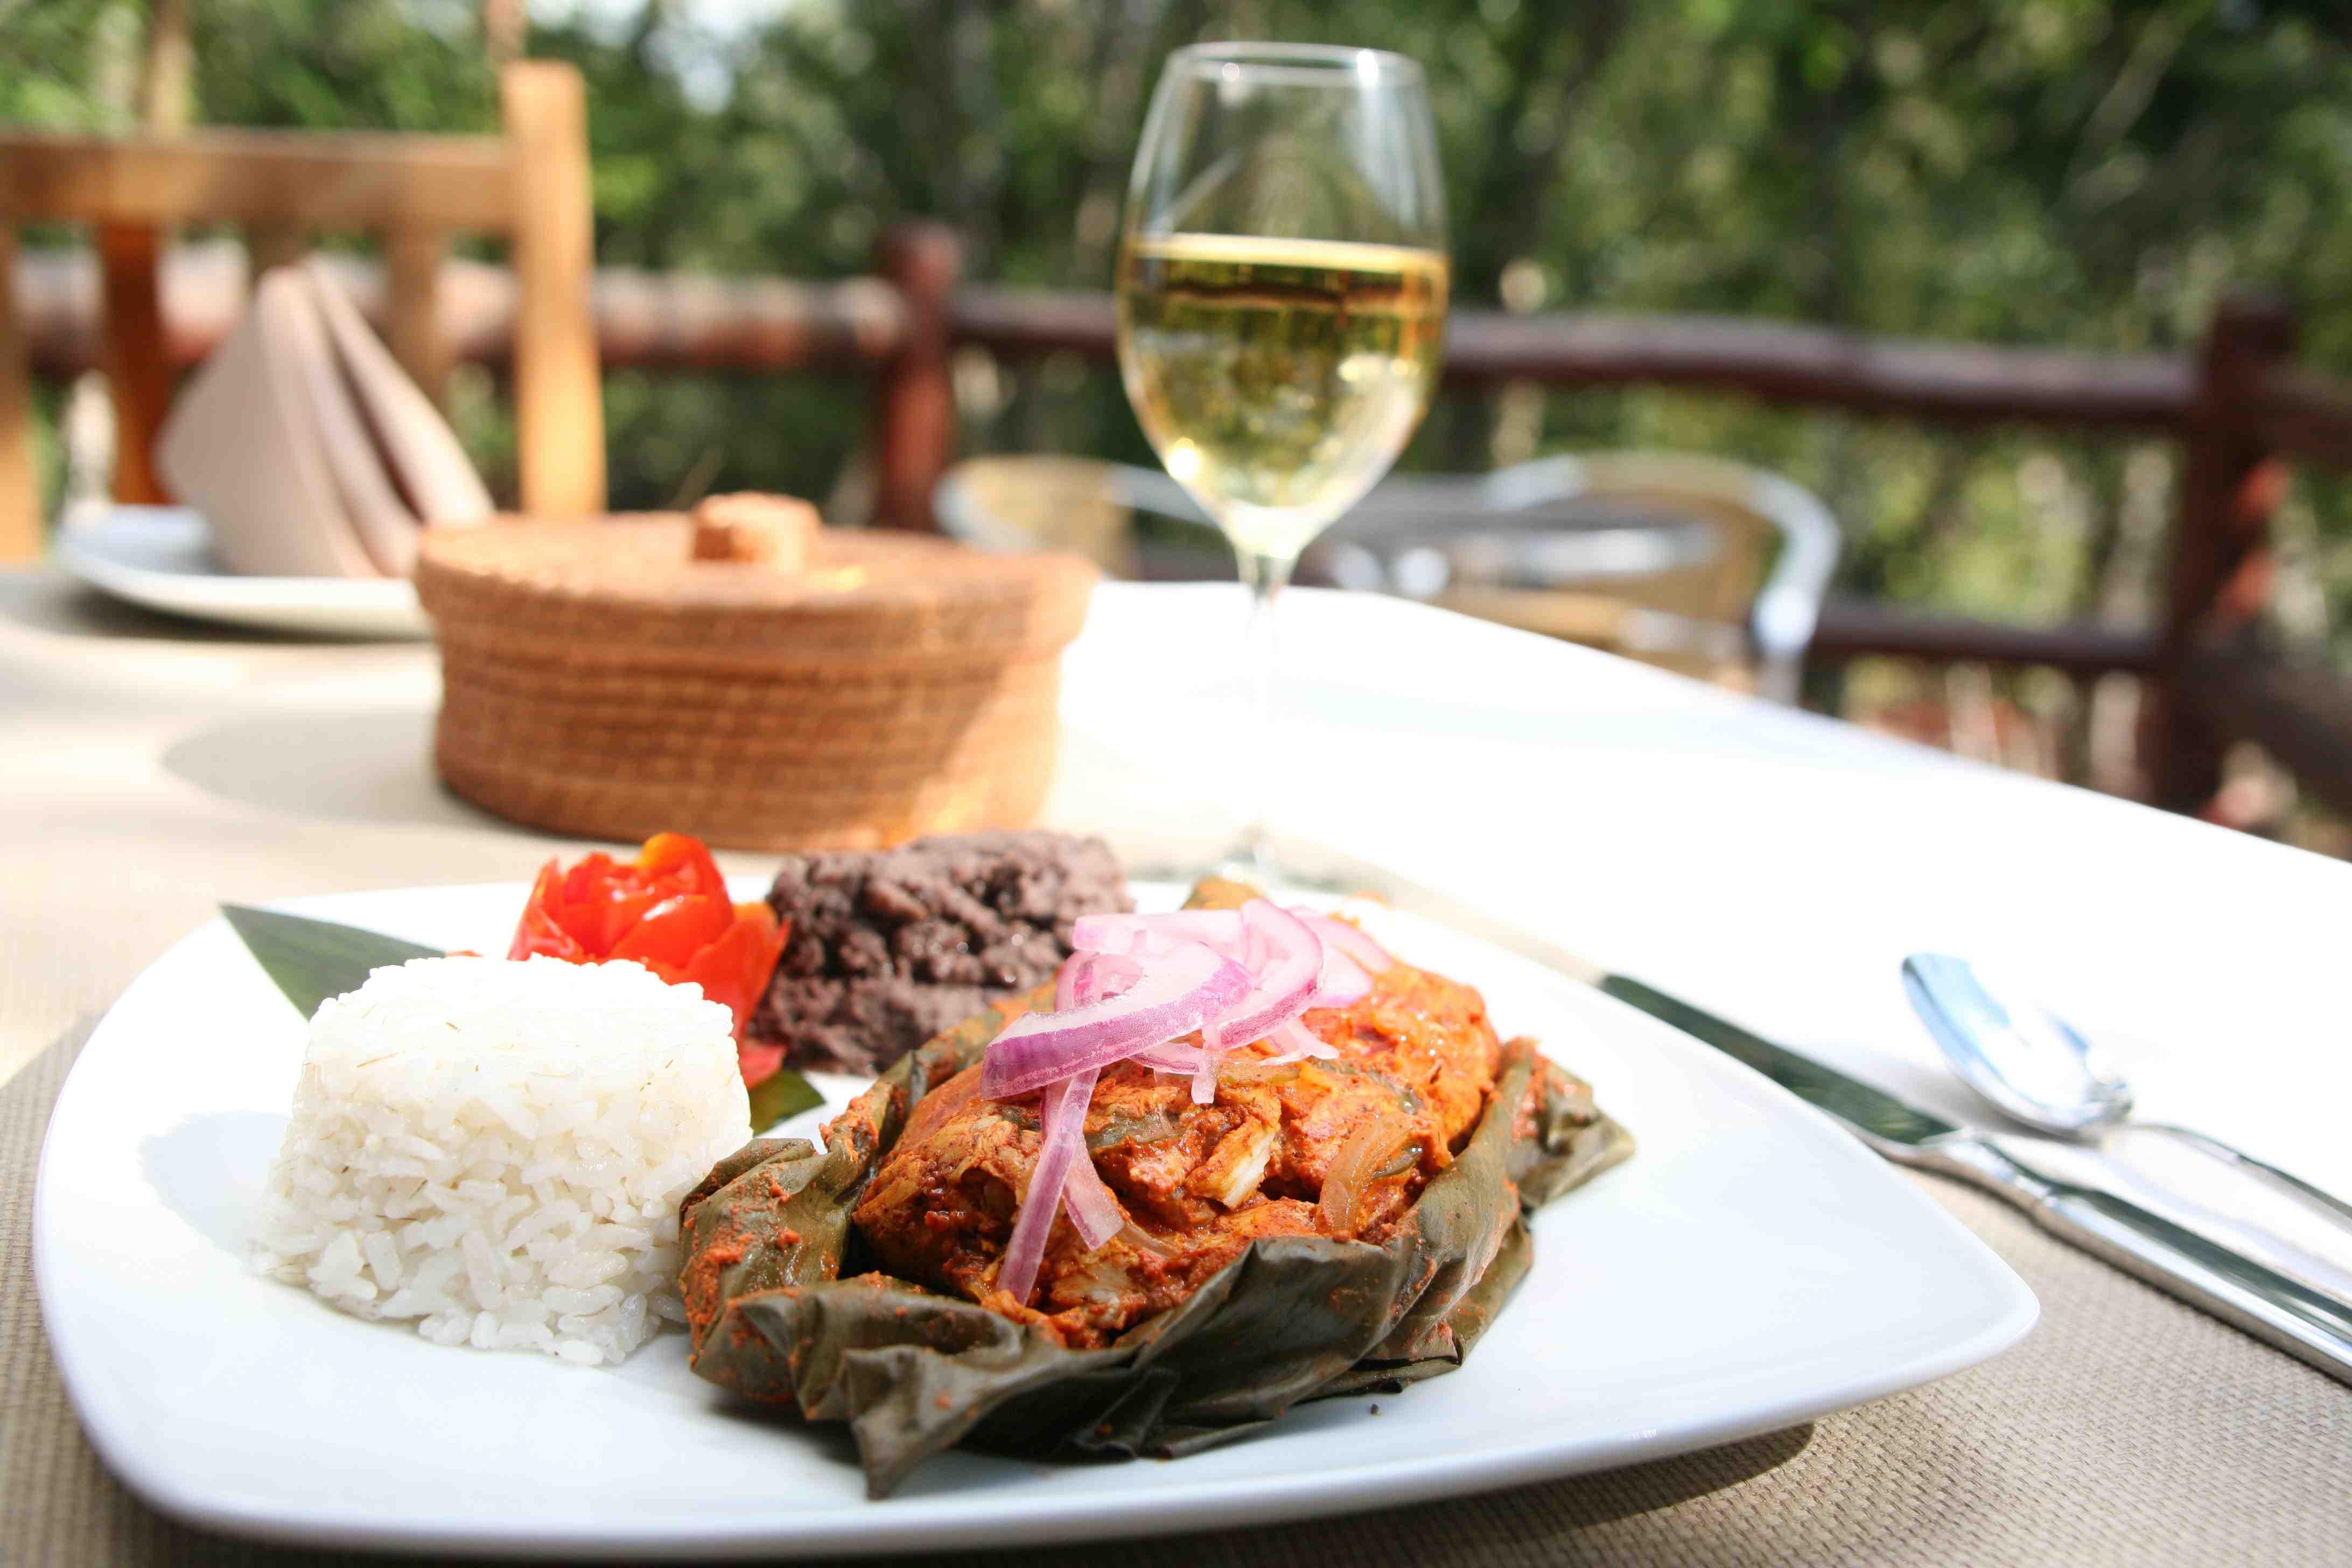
{"x": 1773, "y": 867}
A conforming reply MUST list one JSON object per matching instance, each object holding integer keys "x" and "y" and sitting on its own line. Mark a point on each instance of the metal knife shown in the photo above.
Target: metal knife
{"x": 2234, "y": 1287}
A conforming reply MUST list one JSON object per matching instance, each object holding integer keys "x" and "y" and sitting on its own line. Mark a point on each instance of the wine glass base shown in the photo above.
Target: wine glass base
{"x": 1274, "y": 864}
{"x": 1256, "y": 860}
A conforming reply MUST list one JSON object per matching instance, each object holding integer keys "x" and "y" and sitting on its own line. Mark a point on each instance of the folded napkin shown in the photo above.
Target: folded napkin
{"x": 309, "y": 451}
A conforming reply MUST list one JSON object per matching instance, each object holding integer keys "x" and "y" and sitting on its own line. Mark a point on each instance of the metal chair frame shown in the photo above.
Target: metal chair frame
{"x": 1780, "y": 619}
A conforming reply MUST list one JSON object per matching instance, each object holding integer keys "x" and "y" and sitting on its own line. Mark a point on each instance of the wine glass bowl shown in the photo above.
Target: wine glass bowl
{"x": 1282, "y": 291}
{"x": 1278, "y": 378}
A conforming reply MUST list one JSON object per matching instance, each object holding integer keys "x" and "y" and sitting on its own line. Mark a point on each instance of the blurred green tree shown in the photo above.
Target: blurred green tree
{"x": 2090, "y": 172}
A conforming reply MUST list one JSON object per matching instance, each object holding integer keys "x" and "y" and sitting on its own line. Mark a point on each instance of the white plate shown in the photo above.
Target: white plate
{"x": 1749, "y": 1269}
{"x": 161, "y": 557}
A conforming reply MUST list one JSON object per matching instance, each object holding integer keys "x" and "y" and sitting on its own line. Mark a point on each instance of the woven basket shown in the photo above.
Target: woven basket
{"x": 599, "y": 681}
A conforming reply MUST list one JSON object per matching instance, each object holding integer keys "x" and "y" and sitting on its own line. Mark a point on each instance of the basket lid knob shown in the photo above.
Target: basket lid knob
{"x": 754, "y": 530}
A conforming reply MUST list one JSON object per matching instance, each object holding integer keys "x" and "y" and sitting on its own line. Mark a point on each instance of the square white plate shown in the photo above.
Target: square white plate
{"x": 1751, "y": 1267}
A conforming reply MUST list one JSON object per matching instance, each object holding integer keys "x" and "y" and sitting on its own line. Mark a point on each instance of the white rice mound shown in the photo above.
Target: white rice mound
{"x": 497, "y": 1150}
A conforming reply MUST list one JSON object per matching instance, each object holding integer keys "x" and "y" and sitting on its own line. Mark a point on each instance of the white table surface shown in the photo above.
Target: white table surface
{"x": 1772, "y": 866}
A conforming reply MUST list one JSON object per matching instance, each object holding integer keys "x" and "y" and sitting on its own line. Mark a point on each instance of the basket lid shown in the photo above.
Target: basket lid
{"x": 636, "y": 584}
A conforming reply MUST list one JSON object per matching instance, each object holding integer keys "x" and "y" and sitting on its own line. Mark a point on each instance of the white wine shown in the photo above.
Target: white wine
{"x": 1278, "y": 378}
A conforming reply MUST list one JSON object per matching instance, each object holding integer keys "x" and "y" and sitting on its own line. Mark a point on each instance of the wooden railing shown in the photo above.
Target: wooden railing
{"x": 1946, "y": 384}
{"x": 2238, "y": 409}
{"x": 654, "y": 319}
{"x": 413, "y": 193}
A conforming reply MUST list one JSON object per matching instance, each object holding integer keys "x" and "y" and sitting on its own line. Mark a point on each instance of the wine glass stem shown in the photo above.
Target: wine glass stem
{"x": 1265, "y": 576}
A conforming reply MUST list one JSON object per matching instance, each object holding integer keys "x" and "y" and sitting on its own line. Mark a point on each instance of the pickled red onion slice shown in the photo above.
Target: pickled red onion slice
{"x": 1217, "y": 929}
{"x": 1178, "y": 993}
{"x": 1092, "y": 1209}
{"x": 1086, "y": 977}
{"x": 1286, "y": 978}
{"x": 1297, "y": 1042}
{"x": 1349, "y": 939}
{"x": 1343, "y": 982}
{"x": 1065, "y": 1119}
{"x": 1171, "y": 1058}
{"x": 1094, "y": 1212}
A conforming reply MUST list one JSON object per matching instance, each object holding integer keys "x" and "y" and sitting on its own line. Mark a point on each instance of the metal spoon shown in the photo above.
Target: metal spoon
{"x": 2030, "y": 1064}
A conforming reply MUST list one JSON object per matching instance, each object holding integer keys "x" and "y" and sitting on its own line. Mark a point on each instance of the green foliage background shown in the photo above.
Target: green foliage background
{"x": 2085, "y": 172}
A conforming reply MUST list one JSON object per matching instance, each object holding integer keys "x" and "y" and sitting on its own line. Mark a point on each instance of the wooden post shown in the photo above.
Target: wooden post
{"x": 411, "y": 287}
{"x": 559, "y": 399}
{"x": 138, "y": 368}
{"x": 20, "y": 476}
{"x": 914, "y": 415}
{"x": 129, "y": 258}
{"x": 2221, "y": 565}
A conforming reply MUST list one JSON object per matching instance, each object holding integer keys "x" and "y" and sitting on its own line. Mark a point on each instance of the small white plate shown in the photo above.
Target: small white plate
{"x": 161, "y": 557}
{"x": 1750, "y": 1267}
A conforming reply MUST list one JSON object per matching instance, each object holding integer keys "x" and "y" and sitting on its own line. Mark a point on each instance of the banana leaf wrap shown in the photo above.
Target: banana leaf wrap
{"x": 912, "y": 1373}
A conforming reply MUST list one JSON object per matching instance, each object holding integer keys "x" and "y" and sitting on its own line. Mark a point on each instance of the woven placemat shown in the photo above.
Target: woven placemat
{"x": 2127, "y": 1428}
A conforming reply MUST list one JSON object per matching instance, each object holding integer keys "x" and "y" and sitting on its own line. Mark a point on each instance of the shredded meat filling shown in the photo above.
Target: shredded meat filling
{"x": 1317, "y": 1148}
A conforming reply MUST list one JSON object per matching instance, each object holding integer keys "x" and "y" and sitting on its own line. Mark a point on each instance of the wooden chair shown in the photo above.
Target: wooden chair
{"x": 414, "y": 192}
{"x": 1691, "y": 563}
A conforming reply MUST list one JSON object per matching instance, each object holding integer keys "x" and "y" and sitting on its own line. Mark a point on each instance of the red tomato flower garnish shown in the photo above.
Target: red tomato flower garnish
{"x": 668, "y": 910}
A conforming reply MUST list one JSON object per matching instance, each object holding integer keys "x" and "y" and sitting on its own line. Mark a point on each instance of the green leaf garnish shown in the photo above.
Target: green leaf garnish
{"x": 786, "y": 1094}
{"x": 313, "y": 960}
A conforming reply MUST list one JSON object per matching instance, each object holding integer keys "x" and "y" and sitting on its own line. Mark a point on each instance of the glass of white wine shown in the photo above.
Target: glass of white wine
{"x": 1282, "y": 285}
